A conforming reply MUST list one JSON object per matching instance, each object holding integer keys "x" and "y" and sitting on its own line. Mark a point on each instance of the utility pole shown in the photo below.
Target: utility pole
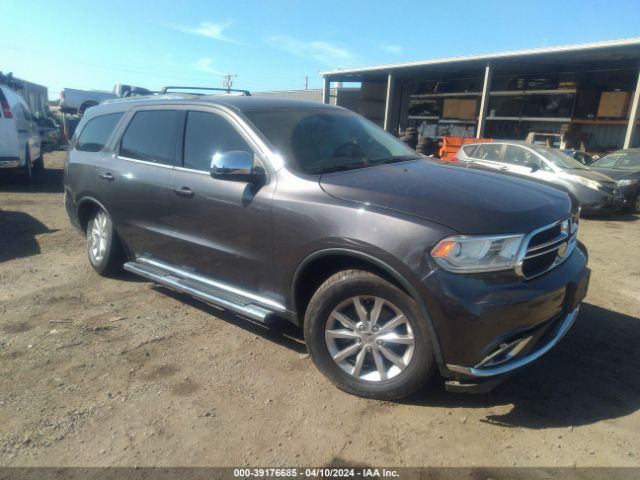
{"x": 228, "y": 80}
{"x": 306, "y": 82}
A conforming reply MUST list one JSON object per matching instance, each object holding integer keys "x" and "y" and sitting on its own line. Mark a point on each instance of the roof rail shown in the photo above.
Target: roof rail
{"x": 227, "y": 90}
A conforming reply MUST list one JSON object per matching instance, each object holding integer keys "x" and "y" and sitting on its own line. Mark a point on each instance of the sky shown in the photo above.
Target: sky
{"x": 275, "y": 44}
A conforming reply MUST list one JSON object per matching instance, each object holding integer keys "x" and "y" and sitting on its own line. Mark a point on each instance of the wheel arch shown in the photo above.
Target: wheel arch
{"x": 85, "y": 105}
{"x": 86, "y": 206}
{"x": 320, "y": 265}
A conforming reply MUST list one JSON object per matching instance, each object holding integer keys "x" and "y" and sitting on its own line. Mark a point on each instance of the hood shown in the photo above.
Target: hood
{"x": 617, "y": 174}
{"x": 468, "y": 201}
{"x": 596, "y": 175}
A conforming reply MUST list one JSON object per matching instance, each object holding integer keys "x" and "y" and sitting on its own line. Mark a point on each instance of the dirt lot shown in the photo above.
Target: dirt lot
{"x": 97, "y": 371}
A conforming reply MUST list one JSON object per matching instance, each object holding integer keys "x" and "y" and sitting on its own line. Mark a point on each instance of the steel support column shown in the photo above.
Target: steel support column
{"x": 484, "y": 101}
{"x": 633, "y": 116}
{"x": 326, "y": 91}
{"x": 389, "y": 102}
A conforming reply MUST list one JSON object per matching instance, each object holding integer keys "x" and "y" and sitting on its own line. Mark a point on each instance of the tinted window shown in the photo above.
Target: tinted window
{"x": 151, "y": 136}
{"x": 470, "y": 150}
{"x": 608, "y": 161}
{"x": 519, "y": 156}
{"x": 558, "y": 158}
{"x": 323, "y": 139}
{"x": 629, "y": 161}
{"x": 207, "y": 134}
{"x": 24, "y": 112}
{"x": 489, "y": 151}
{"x": 96, "y": 132}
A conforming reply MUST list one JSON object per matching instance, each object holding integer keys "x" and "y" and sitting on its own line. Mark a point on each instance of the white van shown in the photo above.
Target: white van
{"x": 19, "y": 137}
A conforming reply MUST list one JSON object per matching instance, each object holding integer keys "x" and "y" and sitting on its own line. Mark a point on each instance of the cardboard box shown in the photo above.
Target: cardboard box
{"x": 614, "y": 104}
{"x": 464, "y": 109}
{"x": 467, "y": 109}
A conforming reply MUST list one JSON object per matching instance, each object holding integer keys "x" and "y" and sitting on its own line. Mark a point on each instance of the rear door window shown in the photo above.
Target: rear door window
{"x": 96, "y": 132}
{"x": 151, "y": 136}
{"x": 469, "y": 150}
{"x": 489, "y": 151}
{"x": 207, "y": 134}
{"x": 519, "y": 156}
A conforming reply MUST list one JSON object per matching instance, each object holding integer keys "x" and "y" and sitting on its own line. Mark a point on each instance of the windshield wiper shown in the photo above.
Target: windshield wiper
{"x": 338, "y": 168}
{"x": 394, "y": 159}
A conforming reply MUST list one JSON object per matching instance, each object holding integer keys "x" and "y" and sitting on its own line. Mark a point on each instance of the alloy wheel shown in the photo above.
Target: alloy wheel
{"x": 370, "y": 338}
{"x": 99, "y": 237}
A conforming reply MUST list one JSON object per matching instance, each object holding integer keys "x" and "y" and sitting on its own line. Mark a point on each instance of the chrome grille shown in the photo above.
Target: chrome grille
{"x": 547, "y": 247}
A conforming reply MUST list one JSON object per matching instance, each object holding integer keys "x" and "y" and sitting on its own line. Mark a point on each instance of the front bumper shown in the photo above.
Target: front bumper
{"x": 510, "y": 362}
{"x": 489, "y": 326}
{"x": 627, "y": 194}
{"x": 593, "y": 201}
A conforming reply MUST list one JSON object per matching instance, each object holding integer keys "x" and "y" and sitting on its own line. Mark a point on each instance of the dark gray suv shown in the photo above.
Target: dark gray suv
{"x": 394, "y": 265}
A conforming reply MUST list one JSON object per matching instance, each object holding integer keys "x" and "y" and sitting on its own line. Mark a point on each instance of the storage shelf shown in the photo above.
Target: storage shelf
{"x": 532, "y": 119}
{"x": 447, "y": 94}
{"x": 516, "y": 93}
{"x": 455, "y": 120}
{"x": 602, "y": 121}
{"x": 441, "y": 120}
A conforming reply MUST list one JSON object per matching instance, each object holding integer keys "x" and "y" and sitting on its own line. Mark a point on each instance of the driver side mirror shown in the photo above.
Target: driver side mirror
{"x": 234, "y": 165}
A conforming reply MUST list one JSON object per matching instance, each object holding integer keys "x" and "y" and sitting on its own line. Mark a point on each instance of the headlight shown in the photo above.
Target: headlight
{"x": 588, "y": 183}
{"x": 468, "y": 254}
{"x": 626, "y": 183}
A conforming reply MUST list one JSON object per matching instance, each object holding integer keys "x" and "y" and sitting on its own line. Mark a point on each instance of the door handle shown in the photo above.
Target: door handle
{"x": 183, "y": 192}
{"x": 504, "y": 168}
{"x": 107, "y": 176}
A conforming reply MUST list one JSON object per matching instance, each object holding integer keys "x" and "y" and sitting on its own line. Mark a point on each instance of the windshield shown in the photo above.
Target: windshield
{"x": 323, "y": 140}
{"x": 559, "y": 159}
{"x": 620, "y": 161}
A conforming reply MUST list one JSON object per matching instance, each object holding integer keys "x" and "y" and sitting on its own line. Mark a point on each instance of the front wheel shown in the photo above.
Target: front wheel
{"x": 635, "y": 205}
{"x": 368, "y": 336}
{"x": 103, "y": 248}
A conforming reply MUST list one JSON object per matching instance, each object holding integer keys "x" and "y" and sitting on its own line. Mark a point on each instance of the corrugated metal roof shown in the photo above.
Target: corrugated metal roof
{"x": 581, "y": 47}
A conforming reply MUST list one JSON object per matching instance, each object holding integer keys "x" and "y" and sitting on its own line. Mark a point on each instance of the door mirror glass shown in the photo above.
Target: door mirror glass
{"x": 234, "y": 165}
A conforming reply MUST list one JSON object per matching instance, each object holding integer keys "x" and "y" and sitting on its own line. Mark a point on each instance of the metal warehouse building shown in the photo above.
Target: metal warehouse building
{"x": 589, "y": 93}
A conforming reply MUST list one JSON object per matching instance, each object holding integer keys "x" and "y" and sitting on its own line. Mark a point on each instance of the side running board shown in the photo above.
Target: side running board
{"x": 207, "y": 293}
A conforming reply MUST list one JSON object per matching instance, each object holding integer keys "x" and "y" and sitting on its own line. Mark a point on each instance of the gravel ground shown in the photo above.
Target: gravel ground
{"x": 97, "y": 371}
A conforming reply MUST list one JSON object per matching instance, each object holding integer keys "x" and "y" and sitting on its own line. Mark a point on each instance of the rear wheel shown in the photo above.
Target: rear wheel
{"x": 38, "y": 164}
{"x": 103, "y": 247}
{"x": 27, "y": 170}
{"x": 368, "y": 336}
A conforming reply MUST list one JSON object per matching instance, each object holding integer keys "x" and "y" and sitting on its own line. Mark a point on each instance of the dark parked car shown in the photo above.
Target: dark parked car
{"x": 595, "y": 192}
{"x": 395, "y": 266}
{"x": 583, "y": 157}
{"x": 624, "y": 167}
{"x": 49, "y": 133}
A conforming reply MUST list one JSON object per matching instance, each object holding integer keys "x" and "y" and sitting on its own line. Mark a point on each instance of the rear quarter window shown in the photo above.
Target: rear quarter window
{"x": 96, "y": 132}
{"x": 469, "y": 150}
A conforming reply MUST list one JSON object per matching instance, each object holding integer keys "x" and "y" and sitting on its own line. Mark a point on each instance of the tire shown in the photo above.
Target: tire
{"x": 84, "y": 106}
{"x": 635, "y": 204}
{"x": 360, "y": 372}
{"x": 27, "y": 170}
{"x": 103, "y": 247}
{"x": 38, "y": 165}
